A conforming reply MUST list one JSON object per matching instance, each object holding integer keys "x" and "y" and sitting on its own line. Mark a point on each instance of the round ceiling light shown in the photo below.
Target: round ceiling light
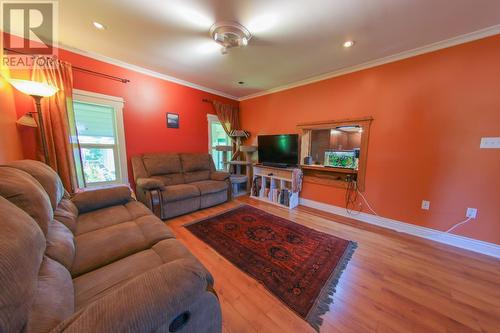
{"x": 229, "y": 34}
{"x": 99, "y": 26}
{"x": 348, "y": 44}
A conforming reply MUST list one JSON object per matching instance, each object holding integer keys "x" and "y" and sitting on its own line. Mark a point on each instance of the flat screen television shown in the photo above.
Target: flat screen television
{"x": 279, "y": 150}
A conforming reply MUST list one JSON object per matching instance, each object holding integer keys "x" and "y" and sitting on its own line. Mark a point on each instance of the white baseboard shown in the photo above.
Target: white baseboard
{"x": 486, "y": 248}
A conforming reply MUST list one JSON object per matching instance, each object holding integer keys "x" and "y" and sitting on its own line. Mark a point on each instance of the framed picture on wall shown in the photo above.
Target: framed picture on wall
{"x": 172, "y": 120}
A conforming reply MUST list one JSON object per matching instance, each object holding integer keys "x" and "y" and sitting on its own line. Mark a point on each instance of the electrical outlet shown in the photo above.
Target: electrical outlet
{"x": 490, "y": 143}
{"x": 426, "y": 205}
{"x": 471, "y": 213}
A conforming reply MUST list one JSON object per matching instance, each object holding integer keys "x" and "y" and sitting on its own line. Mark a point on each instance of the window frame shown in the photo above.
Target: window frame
{"x": 119, "y": 148}
{"x": 334, "y": 176}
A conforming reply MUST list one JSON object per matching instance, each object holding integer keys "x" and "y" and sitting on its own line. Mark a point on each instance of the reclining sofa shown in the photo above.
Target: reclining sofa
{"x": 97, "y": 262}
{"x": 173, "y": 184}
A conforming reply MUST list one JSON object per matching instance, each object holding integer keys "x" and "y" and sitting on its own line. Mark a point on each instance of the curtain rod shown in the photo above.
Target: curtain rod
{"x": 81, "y": 69}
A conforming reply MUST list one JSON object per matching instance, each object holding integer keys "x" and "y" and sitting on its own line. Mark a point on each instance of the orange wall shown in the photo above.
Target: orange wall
{"x": 147, "y": 100}
{"x": 430, "y": 113}
{"x": 10, "y": 143}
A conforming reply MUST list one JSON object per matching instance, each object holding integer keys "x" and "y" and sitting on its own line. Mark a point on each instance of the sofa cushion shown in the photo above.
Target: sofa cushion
{"x": 26, "y": 193}
{"x": 21, "y": 247}
{"x": 95, "y": 284}
{"x": 179, "y": 192}
{"x": 103, "y": 246}
{"x": 210, "y": 186}
{"x": 54, "y": 299}
{"x": 60, "y": 244}
{"x": 90, "y": 200}
{"x": 46, "y": 176}
{"x": 162, "y": 164}
{"x": 109, "y": 216}
{"x": 196, "y": 162}
{"x": 67, "y": 213}
{"x": 149, "y": 301}
{"x": 196, "y": 176}
{"x": 170, "y": 179}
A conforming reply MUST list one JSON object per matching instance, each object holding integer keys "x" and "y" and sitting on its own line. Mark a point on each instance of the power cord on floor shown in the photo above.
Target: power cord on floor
{"x": 351, "y": 198}
{"x": 459, "y": 224}
{"x": 367, "y": 203}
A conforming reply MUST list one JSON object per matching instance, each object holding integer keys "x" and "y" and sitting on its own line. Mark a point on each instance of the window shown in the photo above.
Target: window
{"x": 217, "y": 137}
{"x": 99, "y": 124}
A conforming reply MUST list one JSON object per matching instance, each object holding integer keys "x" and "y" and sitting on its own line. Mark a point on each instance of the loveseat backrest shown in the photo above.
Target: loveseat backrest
{"x": 165, "y": 167}
{"x": 162, "y": 164}
{"x": 197, "y": 166}
{"x": 172, "y": 168}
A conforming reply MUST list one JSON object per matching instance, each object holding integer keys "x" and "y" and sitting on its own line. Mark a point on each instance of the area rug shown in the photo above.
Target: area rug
{"x": 299, "y": 265}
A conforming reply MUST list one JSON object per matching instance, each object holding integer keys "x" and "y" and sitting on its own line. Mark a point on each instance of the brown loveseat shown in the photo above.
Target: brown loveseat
{"x": 175, "y": 184}
{"x": 98, "y": 262}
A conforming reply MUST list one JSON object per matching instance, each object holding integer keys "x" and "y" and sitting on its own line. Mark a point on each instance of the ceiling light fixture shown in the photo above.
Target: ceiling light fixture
{"x": 229, "y": 34}
{"x": 99, "y": 26}
{"x": 348, "y": 44}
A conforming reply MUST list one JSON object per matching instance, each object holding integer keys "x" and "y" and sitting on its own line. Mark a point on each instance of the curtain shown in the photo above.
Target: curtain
{"x": 59, "y": 121}
{"x": 228, "y": 116}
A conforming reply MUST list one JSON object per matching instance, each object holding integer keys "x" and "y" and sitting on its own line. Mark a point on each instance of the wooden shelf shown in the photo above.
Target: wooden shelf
{"x": 238, "y": 163}
{"x": 270, "y": 179}
{"x": 329, "y": 169}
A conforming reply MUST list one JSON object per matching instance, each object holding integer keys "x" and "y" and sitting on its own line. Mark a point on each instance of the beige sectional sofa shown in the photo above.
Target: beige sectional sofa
{"x": 96, "y": 262}
{"x": 173, "y": 184}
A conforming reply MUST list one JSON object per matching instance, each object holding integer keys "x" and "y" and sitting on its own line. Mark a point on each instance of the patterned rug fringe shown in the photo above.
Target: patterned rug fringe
{"x": 325, "y": 297}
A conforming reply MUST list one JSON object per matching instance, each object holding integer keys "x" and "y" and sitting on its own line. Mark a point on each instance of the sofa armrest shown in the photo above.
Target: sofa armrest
{"x": 90, "y": 200}
{"x": 145, "y": 303}
{"x": 150, "y": 184}
{"x": 219, "y": 175}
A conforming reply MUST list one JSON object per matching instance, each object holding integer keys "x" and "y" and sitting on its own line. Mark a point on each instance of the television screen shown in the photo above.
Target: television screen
{"x": 279, "y": 150}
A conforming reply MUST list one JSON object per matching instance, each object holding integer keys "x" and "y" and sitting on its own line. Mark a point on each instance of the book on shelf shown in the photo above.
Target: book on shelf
{"x": 256, "y": 186}
{"x": 270, "y": 192}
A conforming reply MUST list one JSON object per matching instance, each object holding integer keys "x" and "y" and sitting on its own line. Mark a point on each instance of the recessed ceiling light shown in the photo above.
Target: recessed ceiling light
{"x": 348, "y": 44}
{"x": 98, "y": 25}
{"x": 241, "y": 82}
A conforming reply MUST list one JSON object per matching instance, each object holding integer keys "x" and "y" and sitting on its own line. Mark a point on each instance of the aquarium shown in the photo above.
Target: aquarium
{"x": 341, "y": 159}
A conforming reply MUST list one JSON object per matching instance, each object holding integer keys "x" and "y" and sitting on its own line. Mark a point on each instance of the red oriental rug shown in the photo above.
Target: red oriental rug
{"x": 299, "y": 265}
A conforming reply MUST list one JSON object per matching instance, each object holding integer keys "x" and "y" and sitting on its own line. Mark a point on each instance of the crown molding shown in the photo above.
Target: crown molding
{"x": 469, "y": 37}
{"x": 462, "y": 242}
{"x": 139, "y": 69}
{"x": 142, "y": 70}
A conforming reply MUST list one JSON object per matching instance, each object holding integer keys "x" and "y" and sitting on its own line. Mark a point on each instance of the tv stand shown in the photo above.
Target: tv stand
{"x": 276, "y": 185}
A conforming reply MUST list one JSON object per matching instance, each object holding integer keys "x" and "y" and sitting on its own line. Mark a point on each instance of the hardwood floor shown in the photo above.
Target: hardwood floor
{"x": 394, "y": 282}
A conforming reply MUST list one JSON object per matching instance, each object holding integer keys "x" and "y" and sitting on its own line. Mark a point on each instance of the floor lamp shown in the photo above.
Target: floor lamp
{"x": 37, "y": 90}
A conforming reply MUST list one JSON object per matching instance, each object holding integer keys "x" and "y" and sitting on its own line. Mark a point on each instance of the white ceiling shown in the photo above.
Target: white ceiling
{"x": 293, "y": 39}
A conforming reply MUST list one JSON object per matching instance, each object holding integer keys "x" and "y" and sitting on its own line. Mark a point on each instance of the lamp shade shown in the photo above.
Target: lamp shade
{"x": 34, "y": 88}
{"x": 27, "y": 120}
